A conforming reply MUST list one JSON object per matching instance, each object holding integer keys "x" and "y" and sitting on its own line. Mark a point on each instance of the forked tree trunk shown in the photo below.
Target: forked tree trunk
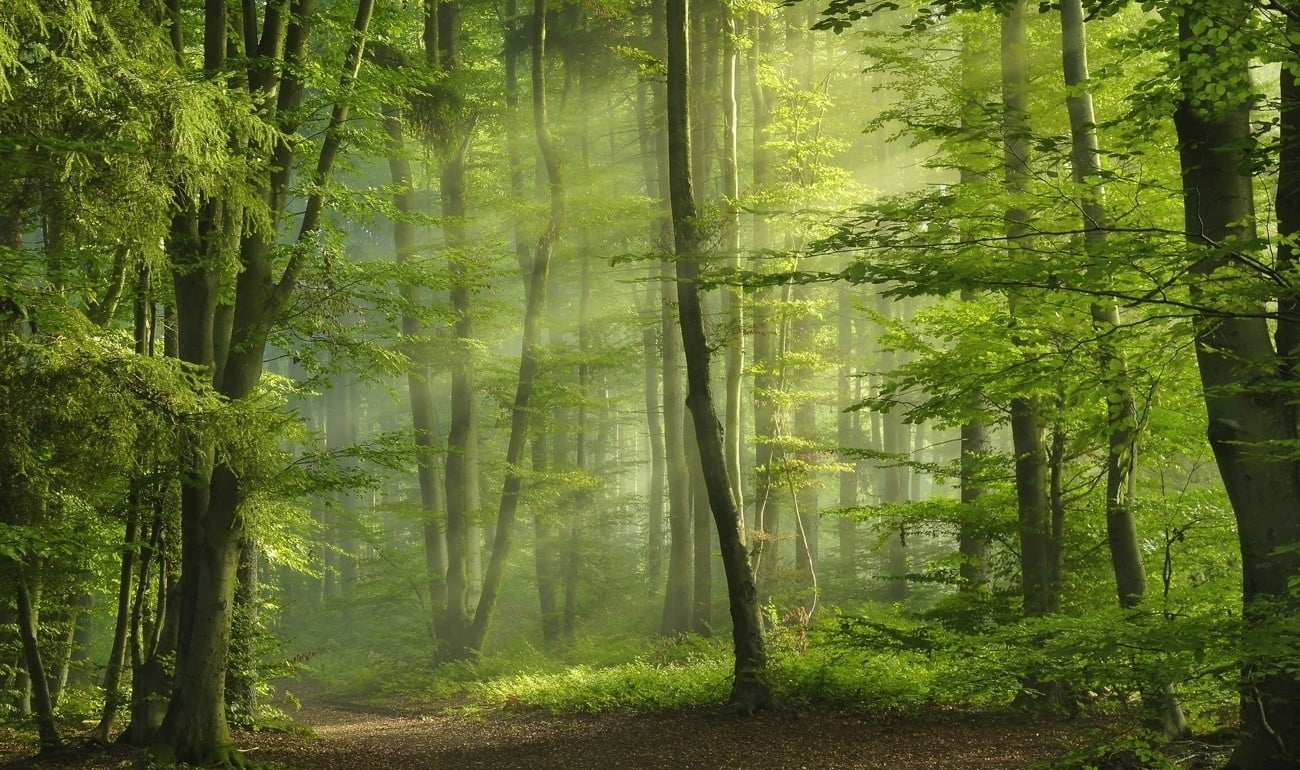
{"x": 749, "y": 691}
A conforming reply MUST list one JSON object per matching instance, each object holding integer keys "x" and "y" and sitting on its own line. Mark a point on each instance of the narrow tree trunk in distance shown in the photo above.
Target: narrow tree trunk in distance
{"x": 735, "y": 297}
{"x": 749, "y": 693}
{"x": 117, "y": 651}
{"x": 43, "y": 707}
{"x": 894, "y": 487}
{"x": 846, "y": 526}
{"x": 1027, "y": 426}
{"x": 532, "y": 332}
{"x": 807, "y": 523}
{"x": 702, "y": 541}
{"x": 419, "y": 395}
{"x": 544, "y": 556}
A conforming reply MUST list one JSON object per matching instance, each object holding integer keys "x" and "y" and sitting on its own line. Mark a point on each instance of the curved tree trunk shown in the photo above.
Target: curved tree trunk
{"x": 1252, "y": 425}
{"x": 532, "y": 333}
{"x": 749, "y": 692}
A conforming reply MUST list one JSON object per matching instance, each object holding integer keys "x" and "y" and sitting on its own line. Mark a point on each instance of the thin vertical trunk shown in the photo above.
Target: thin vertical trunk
{"x": 650, "y": 328}
{"x": 462, "y": 437}
{"x": 535, "y": 305}
{"x": 767, "y": 454}
{"x": 749, "y": 692}
{"x": 117, "y": 651}
{"x": 419, "y": 394}
{"x": 807, "y": 522}
{"x": 702, "y": 541}
{"x": 544, "y": 556}
{"x": 1027, "y": 426}
{"x": 42, "y": 706}
{"x": 894, "y": 488}
{"x": 735, "y": 297}
{"x": 677, "y": 594}
{"x": 845, "y": 434}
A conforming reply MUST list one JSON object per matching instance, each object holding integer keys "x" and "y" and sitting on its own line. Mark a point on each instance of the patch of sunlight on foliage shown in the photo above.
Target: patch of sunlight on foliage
{"x": 639, "y": 685}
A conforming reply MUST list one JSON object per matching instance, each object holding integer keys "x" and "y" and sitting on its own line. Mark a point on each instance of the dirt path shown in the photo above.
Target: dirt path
{"x": 355, "y": 738}
{"x": 361, "y": 740}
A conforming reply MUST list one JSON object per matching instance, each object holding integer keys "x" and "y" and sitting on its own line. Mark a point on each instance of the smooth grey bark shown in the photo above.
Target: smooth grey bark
{"x": 1027, "y": 425}
{"x": 1121, "y": 407}
{"x": 749, "y": 691}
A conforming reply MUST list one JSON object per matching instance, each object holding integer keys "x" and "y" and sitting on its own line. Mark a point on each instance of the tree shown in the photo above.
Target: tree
{"x": 749, "y": 692}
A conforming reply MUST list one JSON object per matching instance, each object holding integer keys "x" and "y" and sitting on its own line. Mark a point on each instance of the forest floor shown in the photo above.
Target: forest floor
{"x": 347, "y": 737}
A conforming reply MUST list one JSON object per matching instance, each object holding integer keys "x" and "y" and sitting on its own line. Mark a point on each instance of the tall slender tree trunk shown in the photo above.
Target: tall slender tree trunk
{"x": 535, "y": 305}
{"x": 702, "y": 541}
{"x": 845, "y": 429}
{"x": 650, "y": 329}
{"x": 419, "y": 393}
{"x": 749, "y": 691}
{"x": 1027, "y": 426}
{"x": 677, "y": 593}
{"x": 1121, "y": 407}
{"x": 42, "y": 706}
{"x": 734, "y": 299}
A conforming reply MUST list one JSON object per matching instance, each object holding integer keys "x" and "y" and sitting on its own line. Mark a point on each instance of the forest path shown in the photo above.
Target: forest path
{"x": 360, "y": 738}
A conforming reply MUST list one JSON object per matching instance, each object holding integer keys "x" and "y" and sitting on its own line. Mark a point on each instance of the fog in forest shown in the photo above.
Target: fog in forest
{"x": 594, "y": 383}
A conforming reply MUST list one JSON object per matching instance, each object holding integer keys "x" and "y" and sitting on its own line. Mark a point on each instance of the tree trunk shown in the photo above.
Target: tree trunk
{"x": 544, "y": 555}
{"x": 1121, "y": 407}
{"x": 702, "y": 541}
{"x": 650, "y": 330}
{"x": 894, "y": 487}
{"x": 534, "y": 308}
{"x": 43, "y": 707}
{"x": 423, "y": 421}
{"x": 1252, "y": 422}
{"x": 1027, "y": 428}
{"x": 734, "y": 299}
{"x": 117, "y": 651}
{"x": 845, "y": 435}
{"x": 749, "y": 692}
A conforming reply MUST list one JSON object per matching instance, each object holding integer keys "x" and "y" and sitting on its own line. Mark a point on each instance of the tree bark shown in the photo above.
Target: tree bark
{"x": 419, "y": 394}
{"x": 749, "y": 693}
{"x": 42, "y": 707}
{"x": 1121, "y": 407}
{"x": 1027, "y": 427}
{"x": 534, "y": 308}
{"x": 1252, "y": 421}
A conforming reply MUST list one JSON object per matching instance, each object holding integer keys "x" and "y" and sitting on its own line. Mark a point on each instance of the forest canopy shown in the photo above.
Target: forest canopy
{"x": 587, "y": 355}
